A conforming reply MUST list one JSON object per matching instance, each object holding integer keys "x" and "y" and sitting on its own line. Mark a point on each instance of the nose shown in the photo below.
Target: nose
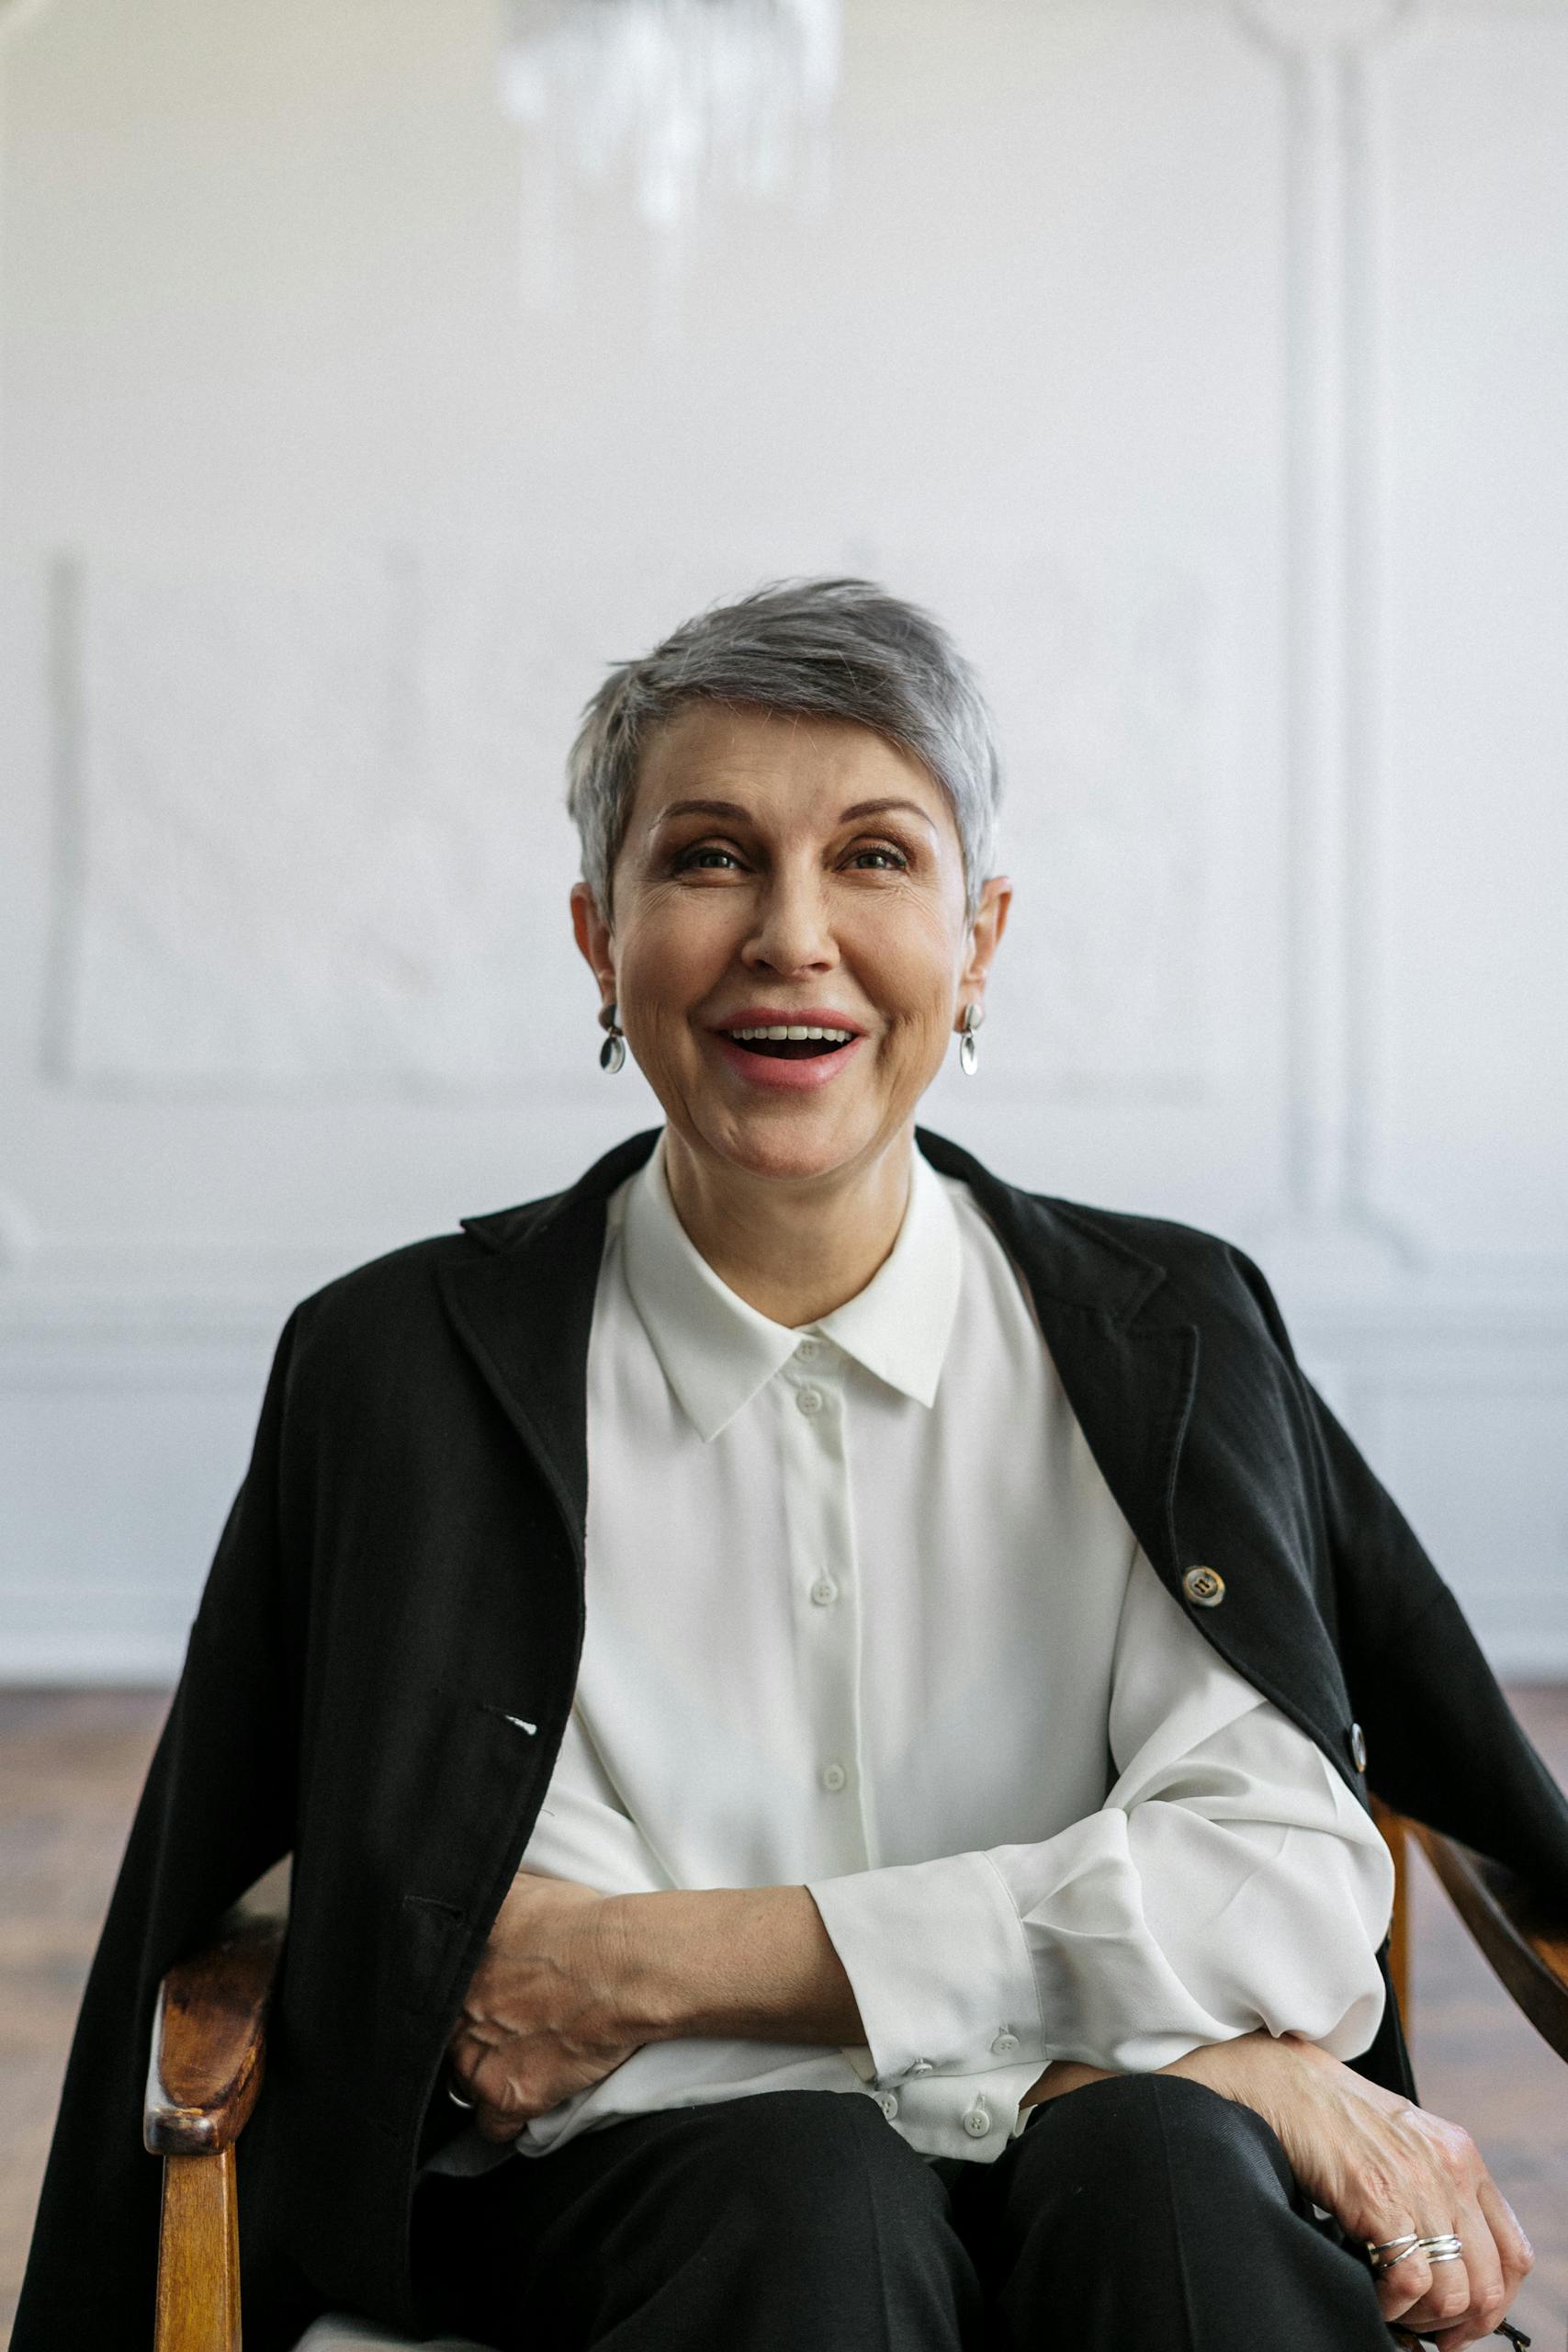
{"x": 792, "y": 932}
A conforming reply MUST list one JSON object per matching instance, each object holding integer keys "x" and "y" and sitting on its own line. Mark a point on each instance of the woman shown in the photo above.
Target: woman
{"x": 929, "y": 1900}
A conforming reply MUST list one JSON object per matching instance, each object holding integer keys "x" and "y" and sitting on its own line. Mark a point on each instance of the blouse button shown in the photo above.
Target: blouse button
{"x": 1205, "y": 1587}
{"x": 1004, "y": 2044}
{"x": 810, "y": 1348}
{"x": 808, "y": 1400}
{"x": 921, "y": 2067}
{"x": 889, "y": 2104}
{"x": 834, "y": 1776}
{"x": 824, "y": 1593}
{"x": 977, "y": 2120}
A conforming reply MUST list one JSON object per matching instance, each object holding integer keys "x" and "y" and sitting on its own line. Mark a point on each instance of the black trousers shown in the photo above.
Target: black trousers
{"x": 1144, "y": 2213}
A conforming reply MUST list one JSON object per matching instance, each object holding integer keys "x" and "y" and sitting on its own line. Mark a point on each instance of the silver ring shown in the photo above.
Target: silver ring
{"x": 1433, "y": 2259}
{"x": 459, "y": 2101}
{"x": 1443, "y": 2248}
{"x": 1394, "y": 2251}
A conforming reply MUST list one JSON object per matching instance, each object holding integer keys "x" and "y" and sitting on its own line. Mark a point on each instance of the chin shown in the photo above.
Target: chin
{"x": 787, "y": 1147}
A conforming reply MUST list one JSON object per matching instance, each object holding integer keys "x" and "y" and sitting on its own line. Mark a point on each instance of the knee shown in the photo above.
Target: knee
{"x": 790, "y": 2146}
{"x": 827, "y": 2228}
{"x": 1134, "y": 2129}
{"x": 809, "y": 2158}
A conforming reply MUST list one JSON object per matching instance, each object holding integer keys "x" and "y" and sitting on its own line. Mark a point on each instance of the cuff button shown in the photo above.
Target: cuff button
{"x": 977, "y": 2120}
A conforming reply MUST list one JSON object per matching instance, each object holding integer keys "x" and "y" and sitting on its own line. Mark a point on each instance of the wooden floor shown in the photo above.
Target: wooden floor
{"x": 70, "y": 1763}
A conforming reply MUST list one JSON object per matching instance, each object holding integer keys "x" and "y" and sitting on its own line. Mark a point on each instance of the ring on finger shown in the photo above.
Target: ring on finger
{"x": 1389, "y": 2256}
{"x": 1440, "y": 2246}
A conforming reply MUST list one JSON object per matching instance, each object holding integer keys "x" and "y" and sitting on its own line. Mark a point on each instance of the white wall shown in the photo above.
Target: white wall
{"x": 1202, "y": 365}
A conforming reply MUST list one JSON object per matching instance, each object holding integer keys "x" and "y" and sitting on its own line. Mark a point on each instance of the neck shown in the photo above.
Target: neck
{"x": 793, "y": 1248}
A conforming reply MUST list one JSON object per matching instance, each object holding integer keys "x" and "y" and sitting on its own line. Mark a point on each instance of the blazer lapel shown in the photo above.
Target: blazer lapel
{"x": 1130, "y": 1379}
{"x": 523, "y": 1312}
{"x": 1131, "y": 1391}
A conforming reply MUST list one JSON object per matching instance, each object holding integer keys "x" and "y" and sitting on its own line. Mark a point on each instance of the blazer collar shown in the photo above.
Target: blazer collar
{"x": 1065, "y": 1252}
{"x": 524, "y": 1310}
{"x": 524, "y": 1306}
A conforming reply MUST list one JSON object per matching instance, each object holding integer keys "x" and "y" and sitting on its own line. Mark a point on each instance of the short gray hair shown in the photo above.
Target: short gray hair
{"x": 833, "y": 648}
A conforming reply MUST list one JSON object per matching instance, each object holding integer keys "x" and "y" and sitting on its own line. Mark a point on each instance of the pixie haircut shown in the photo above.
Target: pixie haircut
{"x": 826, "y": 648}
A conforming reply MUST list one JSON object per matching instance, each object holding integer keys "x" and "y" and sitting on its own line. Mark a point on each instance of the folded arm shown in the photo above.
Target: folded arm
{"x": 1230, "y": 1882}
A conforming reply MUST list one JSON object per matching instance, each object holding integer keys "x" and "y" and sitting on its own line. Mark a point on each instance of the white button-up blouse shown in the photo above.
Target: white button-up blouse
{"x": 863, "y": 1613}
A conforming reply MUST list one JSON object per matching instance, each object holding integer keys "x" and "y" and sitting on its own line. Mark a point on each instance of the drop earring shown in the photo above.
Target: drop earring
{"x": 968, "y": 1048}
{"x": 613, "y": 1052}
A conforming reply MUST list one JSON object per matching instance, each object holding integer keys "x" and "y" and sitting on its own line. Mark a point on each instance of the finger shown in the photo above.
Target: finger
{"x": 1449, "y": 2298}
{"x": 1399, "y": 2276}
{"x": 499, "y": 2112}
{"x": 1409, "y": 2286}
{"x": 1514, "y": 2250}
{"x": 1493, "y": 2242}
{"x": 464, "y": 2057}
{"x": 1445, "y": 2302}
{"x": 1484, "y": 2264}
{"x": 1404, "y": 2281}
{"x": 456, "y": 2081}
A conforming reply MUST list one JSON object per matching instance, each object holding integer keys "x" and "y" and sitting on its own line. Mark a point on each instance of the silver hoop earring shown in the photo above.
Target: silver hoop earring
{"x": 968, "y": 1050}
{"x": 613, "y": 1052}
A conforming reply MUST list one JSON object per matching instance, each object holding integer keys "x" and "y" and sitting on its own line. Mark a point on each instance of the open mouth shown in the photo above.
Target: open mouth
{"x": 792, "y": 1044}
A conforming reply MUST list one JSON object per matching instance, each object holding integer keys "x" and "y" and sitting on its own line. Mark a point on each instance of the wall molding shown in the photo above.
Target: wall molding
{"x": 1320, "y": 49}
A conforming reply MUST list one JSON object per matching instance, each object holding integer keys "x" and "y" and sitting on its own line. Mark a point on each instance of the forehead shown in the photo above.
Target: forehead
{"x": 778, "y": 765}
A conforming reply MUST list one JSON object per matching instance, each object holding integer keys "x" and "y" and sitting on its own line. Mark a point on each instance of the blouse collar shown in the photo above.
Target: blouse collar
{"x": 717, "y": 1352}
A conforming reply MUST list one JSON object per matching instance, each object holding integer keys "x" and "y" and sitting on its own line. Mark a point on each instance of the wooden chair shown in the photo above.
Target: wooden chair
{"x": 209, "y": 2037}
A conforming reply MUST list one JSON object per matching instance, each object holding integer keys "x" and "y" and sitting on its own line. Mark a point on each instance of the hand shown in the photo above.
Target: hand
{"x": 539, "y": 2017}
{"x": 1381, "y": 2166}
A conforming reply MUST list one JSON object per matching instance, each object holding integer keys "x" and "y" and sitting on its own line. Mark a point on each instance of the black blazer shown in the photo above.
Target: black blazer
{"x": 384, "y": 1657}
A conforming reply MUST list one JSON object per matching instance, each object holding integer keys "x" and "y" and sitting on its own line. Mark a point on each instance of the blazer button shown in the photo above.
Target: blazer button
{"x": 1358, "y": 1748}
{"x": 1205, "y": 1587}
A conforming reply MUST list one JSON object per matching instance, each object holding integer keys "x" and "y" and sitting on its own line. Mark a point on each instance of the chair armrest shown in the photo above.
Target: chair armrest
{"x": 1529, "y": 1952}
{"x": 208, "y": 2040}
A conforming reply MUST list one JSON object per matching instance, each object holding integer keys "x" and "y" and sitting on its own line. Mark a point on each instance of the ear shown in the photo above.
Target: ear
{"x": 985, "y": 934}
{"x": 594, "y": 940}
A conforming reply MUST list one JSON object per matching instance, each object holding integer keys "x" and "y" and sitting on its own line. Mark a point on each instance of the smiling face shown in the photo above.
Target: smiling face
{"x": 782, "y": 871}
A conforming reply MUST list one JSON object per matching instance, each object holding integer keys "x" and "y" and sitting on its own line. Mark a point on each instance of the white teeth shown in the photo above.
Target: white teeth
{"x": 782, "y": 1035}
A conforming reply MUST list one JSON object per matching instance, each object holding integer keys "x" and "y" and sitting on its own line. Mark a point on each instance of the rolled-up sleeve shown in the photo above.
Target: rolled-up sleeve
{"x": 1230, "y": 1881}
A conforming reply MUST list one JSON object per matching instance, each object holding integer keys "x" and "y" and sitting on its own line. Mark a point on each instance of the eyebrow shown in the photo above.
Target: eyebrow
{"x": 732, "y": 809}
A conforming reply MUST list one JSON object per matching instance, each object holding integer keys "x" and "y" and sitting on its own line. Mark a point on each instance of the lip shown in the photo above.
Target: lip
{"x": 770, "y": 1077}
{"x": 789, "y": 1016}
{"x": 789, "y": 1077}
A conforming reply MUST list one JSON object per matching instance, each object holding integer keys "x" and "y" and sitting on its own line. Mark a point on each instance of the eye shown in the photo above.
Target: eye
{"x": 897, "y": 860}
{"x": 696, "y": 858}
